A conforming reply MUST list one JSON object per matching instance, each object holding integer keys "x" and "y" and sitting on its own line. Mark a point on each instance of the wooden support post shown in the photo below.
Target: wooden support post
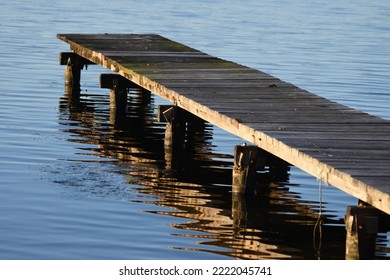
{"x": 247, "y": 160}
{"x": 362, "y": 226}
{"x": 118, "y": 86}
{"x": 72, "y": 78}
{"x": 118, "y": 104}
{"x": 74, "y": 64}
{"x": 174, "y": 133}
{"x": 175, "y": 129}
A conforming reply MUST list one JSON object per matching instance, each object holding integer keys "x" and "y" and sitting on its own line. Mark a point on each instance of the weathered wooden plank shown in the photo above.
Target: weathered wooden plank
{"x": 331, "y": 156}
{"x": 147, "y": 53}
{"x": 122, "y": 41}
{"x": 372, "y": 131}
{"x": 335, "y": 136}
{"x": 245, "y": 94}
{"x": 206, "y": 74}
{"x": 337, "y": 144}
{"x": 286, "y": 107}
{"x": 254, "y": 117}
{"x": 377, "y": 127}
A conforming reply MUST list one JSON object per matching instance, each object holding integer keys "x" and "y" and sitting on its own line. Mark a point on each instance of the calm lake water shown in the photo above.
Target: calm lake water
{"x": 73, "y": 186}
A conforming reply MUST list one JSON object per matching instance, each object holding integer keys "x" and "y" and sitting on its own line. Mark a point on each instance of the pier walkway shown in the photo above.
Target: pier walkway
{"x": 341, "y": 146}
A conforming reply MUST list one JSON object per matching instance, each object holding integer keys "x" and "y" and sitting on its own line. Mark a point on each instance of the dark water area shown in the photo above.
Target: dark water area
{"x": 77, "y": 183}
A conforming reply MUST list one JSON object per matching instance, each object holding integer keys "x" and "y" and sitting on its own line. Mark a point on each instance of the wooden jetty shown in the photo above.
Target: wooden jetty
{"x": 339, "y": 145}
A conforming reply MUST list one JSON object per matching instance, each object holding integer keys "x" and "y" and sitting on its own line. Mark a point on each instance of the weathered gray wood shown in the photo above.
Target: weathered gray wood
{"x": 344, "y": 147}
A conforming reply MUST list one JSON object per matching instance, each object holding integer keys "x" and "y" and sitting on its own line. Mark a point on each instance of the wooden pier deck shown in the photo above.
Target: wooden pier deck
{"x": 341, "y": 146}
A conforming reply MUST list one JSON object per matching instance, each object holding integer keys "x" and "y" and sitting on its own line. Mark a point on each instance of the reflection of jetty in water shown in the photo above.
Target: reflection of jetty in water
{"x": 195, "y": 183}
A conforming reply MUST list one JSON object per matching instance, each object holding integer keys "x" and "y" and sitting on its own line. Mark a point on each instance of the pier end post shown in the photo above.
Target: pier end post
{"x": 247, "y": 160}
{"x": 362, "y": 226}
{"x": 174, "y": 133}
{"x": 74, "y": 64}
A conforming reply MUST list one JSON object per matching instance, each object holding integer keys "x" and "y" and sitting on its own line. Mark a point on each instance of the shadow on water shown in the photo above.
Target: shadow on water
{"x": 195, "y": 183}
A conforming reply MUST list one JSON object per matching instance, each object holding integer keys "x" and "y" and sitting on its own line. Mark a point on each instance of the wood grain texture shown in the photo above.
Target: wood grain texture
{"x": 339, "y": 145}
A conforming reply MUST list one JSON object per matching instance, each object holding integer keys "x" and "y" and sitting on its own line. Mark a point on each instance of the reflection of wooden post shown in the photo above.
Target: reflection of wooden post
{"x": 362, "y": 227}
{"x": 239, "y": 213}
{"x": 141, "y": 106}
{"x": 144, "y": 95}
{"x": 247, "y": 160}
{"x": 74, "y": 64}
